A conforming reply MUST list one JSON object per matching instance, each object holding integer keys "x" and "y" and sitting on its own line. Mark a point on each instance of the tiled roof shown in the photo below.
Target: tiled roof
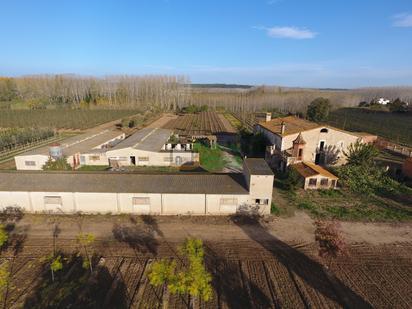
{"x": 293, "y": 125}
{"x": 308, "y": 169}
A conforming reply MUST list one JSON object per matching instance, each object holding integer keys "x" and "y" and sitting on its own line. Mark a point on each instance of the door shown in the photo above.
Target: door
{"x": 317, "y": 158}
{"x": 133, "y": 160}
{"x": 178, "y": 160}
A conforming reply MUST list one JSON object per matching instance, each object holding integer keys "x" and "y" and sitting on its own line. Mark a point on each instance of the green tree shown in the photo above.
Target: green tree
{"x": 85, "y": 240}
{"x": 57, "y": 165}
{"x": 318, "y": 110}
{"x": 56, "y": 265}
{"x": 3, "y": 235}
{"x": 193, "y": 279}
{"x": 4, "y": 277}
{"x": 361, "y": 154}
{"x": 398, "y": 106}
{"x": 163, "y": 272}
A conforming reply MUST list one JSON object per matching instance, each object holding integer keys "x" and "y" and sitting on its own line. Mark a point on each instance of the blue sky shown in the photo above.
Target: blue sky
{"x": 308, "y": 43}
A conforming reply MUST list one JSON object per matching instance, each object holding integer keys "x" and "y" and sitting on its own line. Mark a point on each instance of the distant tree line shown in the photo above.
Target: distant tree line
{"x": 148, "y": 92}
{"x": 168, "y": 92}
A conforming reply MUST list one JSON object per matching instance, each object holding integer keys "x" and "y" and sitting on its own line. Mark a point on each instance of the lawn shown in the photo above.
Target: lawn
{"x": 211, "y": 160}
{"x": 342, "y": 204}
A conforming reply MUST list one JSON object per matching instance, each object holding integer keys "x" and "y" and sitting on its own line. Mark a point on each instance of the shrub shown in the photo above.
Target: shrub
{"x": 57, "y": 165}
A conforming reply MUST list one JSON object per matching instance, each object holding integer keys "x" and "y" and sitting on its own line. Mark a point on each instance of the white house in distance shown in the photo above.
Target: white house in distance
{"x": 164, "y": 194}
{"x": 152, "y": 147}
{"x": 84, "y": 149}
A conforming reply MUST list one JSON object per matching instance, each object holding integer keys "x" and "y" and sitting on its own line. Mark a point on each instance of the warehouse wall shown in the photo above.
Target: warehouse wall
{"x": 168, "y": 204}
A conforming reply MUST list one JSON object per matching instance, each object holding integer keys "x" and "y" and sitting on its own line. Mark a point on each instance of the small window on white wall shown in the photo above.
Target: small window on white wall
{"x": 141, "y": 201}
{"x": 30, "y": 163}
{"x": 228, "y": 201}
{"x": 53, "y": 200}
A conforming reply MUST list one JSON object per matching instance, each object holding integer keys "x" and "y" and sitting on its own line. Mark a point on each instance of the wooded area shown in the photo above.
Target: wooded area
{"x": 162, "y": 92}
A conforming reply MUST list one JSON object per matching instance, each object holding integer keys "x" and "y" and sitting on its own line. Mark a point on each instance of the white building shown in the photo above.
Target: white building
{"x": 152, "y": 147}
{"x": 165, "y": 194}
{"x": 84, "y": 149}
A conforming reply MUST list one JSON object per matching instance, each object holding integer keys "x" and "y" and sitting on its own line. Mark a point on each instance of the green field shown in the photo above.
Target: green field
{"x": 396, "y": 127}
{"x": 60, "y": 118}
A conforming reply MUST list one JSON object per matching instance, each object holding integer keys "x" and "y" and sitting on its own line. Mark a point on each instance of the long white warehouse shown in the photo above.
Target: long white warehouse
{"x": 166, "y": 194}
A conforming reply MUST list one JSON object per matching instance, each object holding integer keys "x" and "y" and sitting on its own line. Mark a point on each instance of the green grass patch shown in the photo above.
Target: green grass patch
{"x": 90, "y": 168}
{"x": 211, "y": 160}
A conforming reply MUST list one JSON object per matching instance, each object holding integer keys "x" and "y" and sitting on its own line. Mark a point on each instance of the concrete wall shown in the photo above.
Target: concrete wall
{"x": 155, "y": 158}
{"x": 167, "y": 204}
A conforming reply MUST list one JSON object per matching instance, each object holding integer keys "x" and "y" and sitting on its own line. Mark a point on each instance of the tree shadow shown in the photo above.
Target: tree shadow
{"x": 151, "y": 223}
{"x": 75, "y": 287}
{"x": 231, "y": 285}
{"x": 310, "y": 271}
{"x": 140, "y": 239}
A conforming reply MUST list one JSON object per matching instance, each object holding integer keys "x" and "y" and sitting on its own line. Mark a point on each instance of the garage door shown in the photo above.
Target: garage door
{"x": 183, "y": 204}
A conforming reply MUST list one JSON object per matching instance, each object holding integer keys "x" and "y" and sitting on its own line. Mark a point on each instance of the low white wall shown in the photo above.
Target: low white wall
{"x": 167, "y": 204}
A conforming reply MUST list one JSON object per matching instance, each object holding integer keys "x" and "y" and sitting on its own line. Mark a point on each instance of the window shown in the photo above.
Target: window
{"x": 261, "y": 201}
{"x": 94, "y": 158}
{"x": 333, "y": 183}
{"x": 300, "y": 153}
{"x": 53, "y": 200}
{"x": 141, "y": 201}
{"x": 312, "y": 182}
{"x": 141, "y": 159}
{"x": 228, "y": 201}
{"x": 324, "y": 182}
{"x": 30, "y": 163}
{"x": 324, "y": 130}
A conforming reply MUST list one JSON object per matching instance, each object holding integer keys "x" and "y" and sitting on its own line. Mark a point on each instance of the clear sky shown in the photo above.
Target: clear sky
{"x": 308, "y": 43}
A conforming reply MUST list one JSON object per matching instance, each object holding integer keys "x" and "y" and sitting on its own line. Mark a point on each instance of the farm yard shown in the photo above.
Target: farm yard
{"x": 254, "y": 264}
{"x": 203, "y": 123}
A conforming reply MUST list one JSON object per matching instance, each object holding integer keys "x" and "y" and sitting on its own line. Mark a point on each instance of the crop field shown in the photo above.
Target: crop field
{"x": 203, "y": 123}
{"x": 394, "y": 126}
{"x": 59, "y": 118}
{"x": 259, "y": 272}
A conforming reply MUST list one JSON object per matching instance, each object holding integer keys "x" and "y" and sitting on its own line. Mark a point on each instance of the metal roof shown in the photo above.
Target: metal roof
{"x": 122, "y": 183}
{"x": 257, "y": 166}
{"x": 79, "y": 144}
{"x": 148, "y": 139}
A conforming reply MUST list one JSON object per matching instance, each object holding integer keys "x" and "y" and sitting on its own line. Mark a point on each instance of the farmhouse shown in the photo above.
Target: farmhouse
{"x": 84, "y": 149}
{"x": 152, "y": 147}
{"x": 168, "y": 194}
{"x": 293, "y": 140}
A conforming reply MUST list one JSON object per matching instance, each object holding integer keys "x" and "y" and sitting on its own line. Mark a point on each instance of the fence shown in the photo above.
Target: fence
{"x": 384, "y": 144}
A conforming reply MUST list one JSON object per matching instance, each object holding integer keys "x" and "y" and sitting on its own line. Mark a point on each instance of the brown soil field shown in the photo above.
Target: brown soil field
{"x": 254, "y": 263}
{"x": 203, "y": 123}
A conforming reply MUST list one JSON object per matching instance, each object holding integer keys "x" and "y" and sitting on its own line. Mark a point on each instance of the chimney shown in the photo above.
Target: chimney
{"x": 268, "y": 117}
{"x": 282, "y": 127}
